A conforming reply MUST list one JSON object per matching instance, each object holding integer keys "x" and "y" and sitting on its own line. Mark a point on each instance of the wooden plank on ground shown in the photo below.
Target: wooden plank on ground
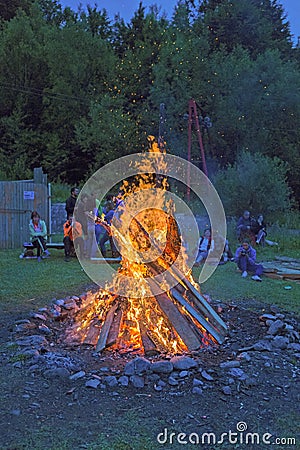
{"x": 92, "y": 335}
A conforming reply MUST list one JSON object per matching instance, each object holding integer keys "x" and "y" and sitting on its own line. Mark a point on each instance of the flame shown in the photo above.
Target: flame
{"x": 144, "y": 235}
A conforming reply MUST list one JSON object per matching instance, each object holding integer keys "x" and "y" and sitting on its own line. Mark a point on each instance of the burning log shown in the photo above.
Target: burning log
{"x": 101, "y": 344}
{"x": 115, "y": 328}
{"x": 179, "y": 322}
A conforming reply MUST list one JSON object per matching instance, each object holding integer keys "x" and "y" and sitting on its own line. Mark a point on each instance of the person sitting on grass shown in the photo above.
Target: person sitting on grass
{"x": 259, "y": 229}
{"x": 244, "y": 228}
{"x": 245, "y": 257}
{"x": 38, "y": 235}
{"x": 72, "y": 236}
{"x": 205, "y": 246}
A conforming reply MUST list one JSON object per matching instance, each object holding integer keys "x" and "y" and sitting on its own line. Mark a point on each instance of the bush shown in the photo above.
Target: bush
{"x": 255, "y": 182}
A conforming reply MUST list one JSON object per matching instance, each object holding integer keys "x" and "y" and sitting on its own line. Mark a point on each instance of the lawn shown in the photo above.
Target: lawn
{"x": 27, "y": 284}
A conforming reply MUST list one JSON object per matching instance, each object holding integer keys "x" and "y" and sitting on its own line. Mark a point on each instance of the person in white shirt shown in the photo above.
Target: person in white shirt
{"x": 205, "y": 246}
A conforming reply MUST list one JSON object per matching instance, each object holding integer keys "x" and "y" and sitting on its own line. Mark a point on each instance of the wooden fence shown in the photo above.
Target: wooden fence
{"x": 17, "y": 200}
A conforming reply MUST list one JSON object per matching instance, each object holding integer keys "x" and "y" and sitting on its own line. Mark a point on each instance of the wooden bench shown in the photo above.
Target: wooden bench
{"x": 28, "y": 248}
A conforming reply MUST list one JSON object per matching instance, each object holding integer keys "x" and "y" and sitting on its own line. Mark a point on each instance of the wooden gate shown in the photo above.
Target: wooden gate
{"x": 17, "y": 200}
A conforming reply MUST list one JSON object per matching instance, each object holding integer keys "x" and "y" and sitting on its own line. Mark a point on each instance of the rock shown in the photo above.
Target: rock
{"x": 197, "y": 382}
{"x": 161, "y": 383}
{"x": 15, "y": 412}
{"x": 93, "y": 383}
{"x": 206, "y": 376}
{"x": 280, "y": 342}
{"x": 276, "y": 327}
{"x": 23, "y": 327}
{"x": 28, "y": 353}
{"x": 162, "y": 367}
{"x": 183, "y": 363}
{"x": 20, "y": 321}
{"x": 227, "y": 390}
{"x": 138, "y": 366}
{"x": 280, "y": 316}
{"x": 265, "y": 317}
{"x": 123, "y": 380}
{"x": 230, "y": 364}
{"x": 274, "y": 309}
{"x": 44, "y": 329}
{"x": 77, "y": 375}
{"x": 137, "y": 381}
{"x": 59, "y": 372}
{"x": 245, "y": 356}
{"x": 111, "y": 381}
{"x": 197, "y": 390}
{"x": 153, "y": 378}
{"x": 60, "y": 302}
{"x": 39, "y": 316}
{"x": 35, "y": 340}
{"x": 238, "y": 373}
{"x": 294, "y": 346}
{"x": 104, "y": 369}
{"x": 231, "y": 381}
{"x": 262, "y": 346}
{"x": 183, "y": 374}
{"x": 172, "y": 381}
{"x": 157, "y": 388}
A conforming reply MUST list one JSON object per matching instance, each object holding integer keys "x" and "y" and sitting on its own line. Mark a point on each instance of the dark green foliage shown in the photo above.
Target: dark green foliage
{"x": 78, "y": 89}
{"x": 257, "y": 183}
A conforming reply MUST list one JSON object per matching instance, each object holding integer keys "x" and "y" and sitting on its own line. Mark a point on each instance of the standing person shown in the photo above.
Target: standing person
{"x": 70, "y": 202}
{"x": 108, "y": 219}
{"x": 205, "y": 246}
{"x": 72, "y": 237}
{"x": 244, "y": 227}
{"x": 245, "y": 257}
{"x": 38, "y": 234}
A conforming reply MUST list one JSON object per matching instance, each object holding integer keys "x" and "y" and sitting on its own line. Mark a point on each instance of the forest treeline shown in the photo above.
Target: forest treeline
{"x": 79, "y": 89}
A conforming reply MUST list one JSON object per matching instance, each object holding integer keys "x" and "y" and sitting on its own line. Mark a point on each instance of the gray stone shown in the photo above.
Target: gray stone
{"x": 172, "y": 381}
{"x": 206, "y": 376}
{"x": 39, "y": 316}
{"x": 183, "y": 363}
{"x": 77, "y": 375}
{"x": 197, "y": 390}
{"x": 20, "y": 328}
{"x": 227, "y": 390}
{"x": 276, "y": 327}
{"x": 157, "y": 388}
{"x": 280, "y": 342}
{"x": 44, "y": 329}
{"x": 265, "y": 317}
{"x": 123, "y": 380}
{"x": 183, "y": 374}
{"x": 59, "y": 372}
{"x": 60, "y": 302}
{"x": 262, "y": 346}
{"x": 111, "y": 381}
{"x": 104, "y": 369}
{"x": 162, "y": 367}
{"x": 231, "y": 381}
{"x": 161, "y": 383}
{"x": 238, "y": 373}
{"x": 250, "y": 382}
{"x": 20, "y": 321}
{"x": 280, "y": 316}
{"x": 15, "y": 412}
{"x": 294, "y": 346}
{"x": 137, "y": 381}
{"x": 28, "y": 353}
{"x": 197, "y": 382}
{"x": 138, "y": 366}
{"x": 153, "y": 378}
{"x": 93, "y": 383}
{"x": 230, "y": 364}
{"x": 245, "y": 356}
{"x": 35, "y": 340}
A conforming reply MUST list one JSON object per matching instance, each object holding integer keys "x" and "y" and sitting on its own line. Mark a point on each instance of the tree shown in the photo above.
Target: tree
{"x": 255, "y": 182}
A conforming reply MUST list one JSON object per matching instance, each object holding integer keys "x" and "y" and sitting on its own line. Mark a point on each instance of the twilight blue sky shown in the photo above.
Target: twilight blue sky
{"x": 127, "y": 8}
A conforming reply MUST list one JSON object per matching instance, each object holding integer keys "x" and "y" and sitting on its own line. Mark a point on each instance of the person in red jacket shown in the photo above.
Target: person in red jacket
{"x": 72, "y": 237}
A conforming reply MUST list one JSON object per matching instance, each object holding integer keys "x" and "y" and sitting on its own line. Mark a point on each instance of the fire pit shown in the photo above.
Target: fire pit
{"x": 152, "y": 305}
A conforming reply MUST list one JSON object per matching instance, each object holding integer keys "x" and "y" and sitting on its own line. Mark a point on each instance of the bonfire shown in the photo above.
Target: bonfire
{"x": 152, "y": 305}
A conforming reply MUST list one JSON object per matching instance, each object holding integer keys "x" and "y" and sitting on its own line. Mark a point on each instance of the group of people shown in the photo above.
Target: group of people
{"x": 250, "y": 232}
{"x": 92, "y": 224}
